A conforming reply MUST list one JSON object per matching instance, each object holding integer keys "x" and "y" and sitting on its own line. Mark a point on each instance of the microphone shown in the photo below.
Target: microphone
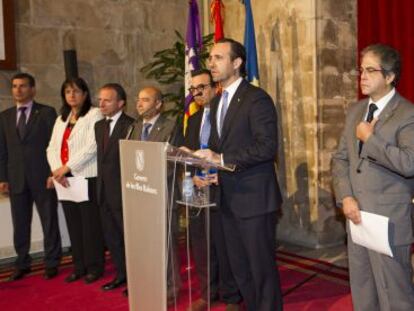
{"x": 130, "y": 130}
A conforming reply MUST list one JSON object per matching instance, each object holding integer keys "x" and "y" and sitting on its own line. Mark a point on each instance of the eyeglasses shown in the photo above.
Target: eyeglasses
{"x": 198, "y": 89}
{"x": 368, "y": 70}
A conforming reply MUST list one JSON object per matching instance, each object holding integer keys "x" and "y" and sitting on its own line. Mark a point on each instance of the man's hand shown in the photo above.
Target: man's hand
{"x": 4, "y": 187}
{"x": 208, "y": 155}
{"x": 351, "y": 210}
{"x": 364, "y": 130}
{"x": 200, "y": 182}
{"x": 183, "y": 148}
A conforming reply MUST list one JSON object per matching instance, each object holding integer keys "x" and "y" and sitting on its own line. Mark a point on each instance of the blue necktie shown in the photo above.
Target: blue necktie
{"x": 205, "y": 130}
{"x": 224, "y": 107}
{"x": 145, "y": 131}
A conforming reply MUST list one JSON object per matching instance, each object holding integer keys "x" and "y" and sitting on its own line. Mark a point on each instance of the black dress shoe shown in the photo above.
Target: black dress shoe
{"x": 91, "y": 277}
{"x": 73, "y": 277}
{"x": 50, "y": 273}
{"x": 125, "y": 292}
{"x": 19, "y": 273}
{"x": 113, "y": 284}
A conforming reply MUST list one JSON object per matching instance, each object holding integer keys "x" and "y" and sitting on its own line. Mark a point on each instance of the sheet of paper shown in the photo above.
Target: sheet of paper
{"x": 372, "y": 233}
{"x": 76, "y": 192}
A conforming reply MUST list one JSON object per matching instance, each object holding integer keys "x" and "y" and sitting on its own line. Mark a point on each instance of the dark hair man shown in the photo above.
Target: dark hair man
{"x": 372, "y": 172}
{"x": 25, "y": 132}
{"x": 244, "y": 133}
{"x": 221, "y": 280}
{"x": 108, "y": 132}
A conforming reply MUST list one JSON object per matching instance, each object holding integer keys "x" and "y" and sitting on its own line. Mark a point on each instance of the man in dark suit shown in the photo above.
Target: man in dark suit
{"x": 244, "y": 134}
{"x": 108, "y": 132}
{"x": 220, "y": 279}
{"x": 373, "y": 171}
{"x": 25, "y": 131}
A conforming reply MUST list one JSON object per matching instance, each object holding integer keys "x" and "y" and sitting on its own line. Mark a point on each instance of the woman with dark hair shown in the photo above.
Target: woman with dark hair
{"x": 72, "y": 152}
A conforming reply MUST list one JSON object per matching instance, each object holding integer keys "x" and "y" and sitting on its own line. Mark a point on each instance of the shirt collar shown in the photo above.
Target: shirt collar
{"x": 232, "y": 88}
{"x": 115, "y": 117}
{"x": 152, "y": 121}
{"x": 382, "y": 102}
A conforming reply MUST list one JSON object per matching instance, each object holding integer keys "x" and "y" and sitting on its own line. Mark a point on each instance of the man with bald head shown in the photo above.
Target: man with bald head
{"x": 151, "y": 125}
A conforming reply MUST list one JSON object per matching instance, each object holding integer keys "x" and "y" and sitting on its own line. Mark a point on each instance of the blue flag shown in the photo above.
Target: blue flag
{"x": 250, "y": 45}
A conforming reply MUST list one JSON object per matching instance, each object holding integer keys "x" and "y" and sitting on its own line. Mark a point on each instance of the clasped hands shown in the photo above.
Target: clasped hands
{"x": 365, "y": 129}
{"x": 60, "y": 176}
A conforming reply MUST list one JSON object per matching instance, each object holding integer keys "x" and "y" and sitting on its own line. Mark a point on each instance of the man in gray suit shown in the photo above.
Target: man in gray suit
{"x": 373, "y": 171}
{"x": 153, "y": 126}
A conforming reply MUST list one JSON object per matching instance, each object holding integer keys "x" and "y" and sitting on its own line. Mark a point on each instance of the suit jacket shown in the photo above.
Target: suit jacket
{"x": 109, "y": 170}
{"x": 380, "y": 179}
{"x": 81, "y": 142}
{"x": 25, "y": 159}
{"x": 162, "y": 131}
{"x": 192, "y": 134}
{"x": 249, "y": 141}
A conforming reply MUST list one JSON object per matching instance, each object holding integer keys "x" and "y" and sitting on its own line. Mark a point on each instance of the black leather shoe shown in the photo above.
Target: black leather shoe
{"x": 50, "y": 273}
{"x": 91, "y": 277}
{"x": 18, "y": 274}
{"x": 113, "y": 284}
{"x": 73, "y": 277}
{"x": 125, "y": 292}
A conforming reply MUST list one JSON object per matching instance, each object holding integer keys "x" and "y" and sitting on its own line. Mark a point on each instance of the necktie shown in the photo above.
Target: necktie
{"x": 371, "y": 109}
{"x": 21, "y": 123}
{"x": 224, "y": 107}
{"x": 145, "y": 131}
{"x": 107, "y": 131}
{"x": 205, "y": 130}
{"x": 370, "y": 116}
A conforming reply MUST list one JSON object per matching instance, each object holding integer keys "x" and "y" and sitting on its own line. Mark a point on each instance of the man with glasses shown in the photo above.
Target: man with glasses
{"x": 372, "y": 172}
{"x": 221, "y": 280}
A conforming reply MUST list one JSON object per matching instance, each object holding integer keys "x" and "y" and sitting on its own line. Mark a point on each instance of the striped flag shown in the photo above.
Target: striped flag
{"x": 217, "y": 18}
{"x": 192, "y": 61}
{"x": 250, "y": 45}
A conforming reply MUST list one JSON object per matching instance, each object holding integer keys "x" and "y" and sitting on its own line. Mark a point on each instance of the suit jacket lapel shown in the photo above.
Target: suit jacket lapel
{"x": 117, "y": 131}
{"x": 233, "y": 109}
{"x": 358, "y": 117}
{"x": 156, "y": 129}
{"x": 388, "y": 111}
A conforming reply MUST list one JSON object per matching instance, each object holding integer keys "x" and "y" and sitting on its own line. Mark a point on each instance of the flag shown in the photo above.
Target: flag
{"x": 192, "y": 62}
{"x": 250, "y": 45}
{"x": 217, "y": 19}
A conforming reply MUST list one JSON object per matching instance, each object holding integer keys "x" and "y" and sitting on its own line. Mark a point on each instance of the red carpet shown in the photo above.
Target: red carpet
{"x": 307, "y": 284}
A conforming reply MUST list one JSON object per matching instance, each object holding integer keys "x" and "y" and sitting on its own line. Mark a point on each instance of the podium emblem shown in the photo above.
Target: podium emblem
{"x": 139, "y": 160}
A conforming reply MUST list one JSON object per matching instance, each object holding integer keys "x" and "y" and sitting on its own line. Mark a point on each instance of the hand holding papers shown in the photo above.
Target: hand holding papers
{"x": 77, "y": 190}
{"x": 187, "y": 156}
{"x": 372, "y": 233}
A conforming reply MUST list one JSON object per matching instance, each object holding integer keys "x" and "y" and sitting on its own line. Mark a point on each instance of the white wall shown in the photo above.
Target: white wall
{"x": 6, "y": 231}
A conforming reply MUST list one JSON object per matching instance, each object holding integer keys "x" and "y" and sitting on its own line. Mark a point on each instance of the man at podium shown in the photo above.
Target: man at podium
{"x": 221, "y": 280}
{"x": 153, "y": 126}
{"x": 244, "y": 133}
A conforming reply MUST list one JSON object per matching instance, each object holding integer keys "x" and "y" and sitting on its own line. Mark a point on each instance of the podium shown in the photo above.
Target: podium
{"x": 150, "y": 176}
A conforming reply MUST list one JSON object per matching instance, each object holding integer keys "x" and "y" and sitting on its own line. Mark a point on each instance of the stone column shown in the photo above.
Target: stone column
{"x": 307, "y": 52}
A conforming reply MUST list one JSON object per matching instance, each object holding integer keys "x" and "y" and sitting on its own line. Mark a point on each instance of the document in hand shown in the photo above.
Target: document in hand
{"x": 76, "y": 192}
{"x": 372, "y": 233}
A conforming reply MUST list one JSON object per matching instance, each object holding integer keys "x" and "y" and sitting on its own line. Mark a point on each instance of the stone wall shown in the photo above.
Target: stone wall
{"x": 307, "y": 49}
{"x": 113, "y": 39}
